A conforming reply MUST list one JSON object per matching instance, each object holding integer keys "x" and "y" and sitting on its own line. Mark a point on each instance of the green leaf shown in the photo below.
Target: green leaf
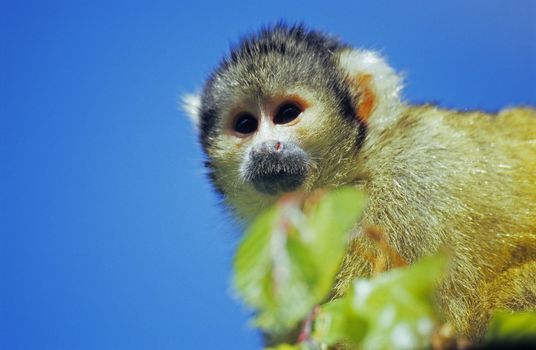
{"x": 337, "y": 322}
{"x": 510, "y": 327}
{"x": 266, "y": 277}
{"x": 398, "y": 306}
{"x": 288, "y": 259}
{"x": 252, "y": 262}
{"x": 331, "y": 222}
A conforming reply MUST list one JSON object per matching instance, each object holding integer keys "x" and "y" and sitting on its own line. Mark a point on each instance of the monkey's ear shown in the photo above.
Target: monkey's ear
{"x": 375, "y": 84}
{"x": 191, "y": 105}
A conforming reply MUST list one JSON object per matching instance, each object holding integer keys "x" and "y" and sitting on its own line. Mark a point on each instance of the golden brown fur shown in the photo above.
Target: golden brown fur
{"x": 466, "y": 181}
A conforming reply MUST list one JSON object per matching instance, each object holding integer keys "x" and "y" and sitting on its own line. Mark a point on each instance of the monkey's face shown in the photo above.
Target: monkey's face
{"x": 273, "y": 162}
{"x": 287, "y": 111}
{"x": 266, "y": 134}
{"x": 288, "y": 140}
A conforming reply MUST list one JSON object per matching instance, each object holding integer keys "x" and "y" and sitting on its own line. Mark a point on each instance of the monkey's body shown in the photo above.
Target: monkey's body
{"x": 466, "y": 182}
{"x": 293, "y": 104}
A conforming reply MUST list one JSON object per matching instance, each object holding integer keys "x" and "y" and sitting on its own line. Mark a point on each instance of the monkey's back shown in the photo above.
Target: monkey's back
{"x": 508, "y": 268}
{"x": 466, "y": 182}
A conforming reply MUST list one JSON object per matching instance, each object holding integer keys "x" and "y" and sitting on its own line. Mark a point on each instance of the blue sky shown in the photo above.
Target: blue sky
{"x": 110, "y": 236}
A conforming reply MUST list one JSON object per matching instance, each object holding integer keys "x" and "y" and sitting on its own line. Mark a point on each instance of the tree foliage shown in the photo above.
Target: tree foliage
{"x": 286, "y": 265}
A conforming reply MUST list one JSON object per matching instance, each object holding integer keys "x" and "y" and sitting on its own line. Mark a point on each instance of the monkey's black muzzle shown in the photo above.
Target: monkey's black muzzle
{"x": 274, "y": 167}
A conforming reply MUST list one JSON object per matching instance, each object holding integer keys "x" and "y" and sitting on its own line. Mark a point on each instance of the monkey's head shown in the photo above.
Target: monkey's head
{"x": 289, "y": 109}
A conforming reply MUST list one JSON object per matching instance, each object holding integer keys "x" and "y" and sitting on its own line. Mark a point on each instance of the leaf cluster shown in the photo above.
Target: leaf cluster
{"x": 286, "y": 265}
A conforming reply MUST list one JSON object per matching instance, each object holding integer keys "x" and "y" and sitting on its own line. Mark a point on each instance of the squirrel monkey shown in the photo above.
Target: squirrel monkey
{"x": 292, "y": 109}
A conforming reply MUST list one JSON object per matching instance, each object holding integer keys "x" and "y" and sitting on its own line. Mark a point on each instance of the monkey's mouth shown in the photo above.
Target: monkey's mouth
{"x": 274, "y": 167}
{"x": 276, "y": 182}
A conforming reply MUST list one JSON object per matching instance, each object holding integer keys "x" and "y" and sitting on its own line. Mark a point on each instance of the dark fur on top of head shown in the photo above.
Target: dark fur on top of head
{"x": 276, "y": 57}
{"x": 285, "y": 40}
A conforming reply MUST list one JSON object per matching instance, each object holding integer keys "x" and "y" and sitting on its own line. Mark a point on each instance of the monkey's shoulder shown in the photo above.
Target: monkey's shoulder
{"x": 507, "y": 131}
{"x": 427, "y": 140}
{"x": 518, "y": 123}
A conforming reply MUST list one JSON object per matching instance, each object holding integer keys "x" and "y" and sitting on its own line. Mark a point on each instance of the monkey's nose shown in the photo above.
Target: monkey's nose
{"x": 275, "y": 167}
{"x": 269, "y": 146}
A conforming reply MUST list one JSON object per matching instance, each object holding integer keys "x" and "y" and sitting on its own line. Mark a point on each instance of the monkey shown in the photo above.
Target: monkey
{"x": 295, "y": 109}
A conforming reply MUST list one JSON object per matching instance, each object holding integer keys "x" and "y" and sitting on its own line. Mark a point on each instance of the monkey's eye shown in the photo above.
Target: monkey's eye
{"x": 245, "y": 124}
{"x": 287, "y": 113}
